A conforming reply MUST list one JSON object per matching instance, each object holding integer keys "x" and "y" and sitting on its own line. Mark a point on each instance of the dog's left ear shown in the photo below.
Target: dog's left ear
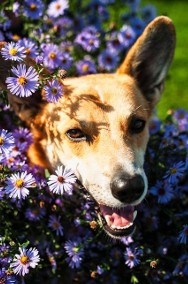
{"x": 150, "y": 57}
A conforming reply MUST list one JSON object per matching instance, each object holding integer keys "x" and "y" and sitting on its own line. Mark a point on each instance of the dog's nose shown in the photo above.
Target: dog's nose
{"x": 127, "y": 189}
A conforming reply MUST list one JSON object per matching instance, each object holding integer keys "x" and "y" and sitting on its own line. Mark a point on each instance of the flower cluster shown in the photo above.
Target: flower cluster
{"x": 49, "y": 228}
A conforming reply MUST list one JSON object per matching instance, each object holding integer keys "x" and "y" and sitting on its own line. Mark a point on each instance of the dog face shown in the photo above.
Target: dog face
{"x": 99, "y": 128}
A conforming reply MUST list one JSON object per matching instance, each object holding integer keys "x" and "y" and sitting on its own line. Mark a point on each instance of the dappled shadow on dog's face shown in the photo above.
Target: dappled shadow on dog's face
{"x": 77, "y": 112}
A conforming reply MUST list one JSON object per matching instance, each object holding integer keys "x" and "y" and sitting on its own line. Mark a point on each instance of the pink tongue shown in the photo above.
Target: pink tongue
{"x": 117, "y": 217}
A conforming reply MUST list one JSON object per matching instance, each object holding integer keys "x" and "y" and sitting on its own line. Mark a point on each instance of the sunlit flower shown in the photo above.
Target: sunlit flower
{"x": 13, "y": 51}
{"x": 23, "y": 138}
{"x": 86, "y": 66}
{"x": 88, "y": 39}
{"x": 63, "y": 180}
{"x": 51, "y": 56}
{"x": 108, "y": 60}
{"x": 53, "y": 91}
{"x": 55, "y": 225}
{"x": 25, "y": 82}
{"x": 33, "y": 9}
{"x": 127, "y": 36}
{"x": 30, "y": 47}
{"x": 26, "y": 259}
{"x": 17, "y": 185}
{"x": 6, "y": 142}
{"x": 57, "y": 8}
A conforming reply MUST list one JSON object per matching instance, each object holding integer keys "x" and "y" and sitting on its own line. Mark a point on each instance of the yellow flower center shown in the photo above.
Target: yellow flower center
{"x": 19, "y": 183}
{"x": 33, "y": 7}
{"x": 58, "y": 6}
{"x": 52, "y": 55}
{"x": 13, "y": 51}
{"x": 54, "y": 91}
{"x": 24, "y": 259}
{"x": 1, "y": 140}
{"x": 91, "y": 42}
{"x": 22, "y": 80}
{"x": 173, "y": 171}
{"x": 55, "y": 225}
{"x": 75, "y": 249}
{"x": 85, "y": 68}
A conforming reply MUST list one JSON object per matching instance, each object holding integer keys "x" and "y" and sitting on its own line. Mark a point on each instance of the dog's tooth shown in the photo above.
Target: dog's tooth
{"x": 134, "y": 214}
{"x": 121, "y": 228}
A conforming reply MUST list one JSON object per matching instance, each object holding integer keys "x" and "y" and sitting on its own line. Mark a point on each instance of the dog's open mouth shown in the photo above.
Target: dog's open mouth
{"x": 117, "y": 223}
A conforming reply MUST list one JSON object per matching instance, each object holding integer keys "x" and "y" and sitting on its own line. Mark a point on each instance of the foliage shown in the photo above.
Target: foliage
{"x": 62, "y": 227}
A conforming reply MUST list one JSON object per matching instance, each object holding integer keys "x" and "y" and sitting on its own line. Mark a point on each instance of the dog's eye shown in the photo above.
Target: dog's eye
{"x": 76, "y": 134}
{"x": 137, "y": 125}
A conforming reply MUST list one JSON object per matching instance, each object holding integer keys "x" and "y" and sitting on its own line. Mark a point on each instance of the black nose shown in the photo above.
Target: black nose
{"x": 127, "y": 188}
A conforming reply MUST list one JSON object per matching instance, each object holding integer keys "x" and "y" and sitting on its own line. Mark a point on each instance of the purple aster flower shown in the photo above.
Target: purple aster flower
{"x": 181, "y": 116}
{"x": 17, "y": 185}
{"x": 55, "y": 225}
{"x": 133, "y": 4}
{"x": 86, "y": 66}
{"x": 88, "y": 39}
{"x": 181, "y": 268}
{"x": 57, "y": 8}
{"x": 64, "y": 25}
{"x": 149, "y": 12}
{"x": 163, "y": 191}
{"x": 63, "y": 181}
{"x": 127, "y": 36}
{"x": 53, "y": 91}
{"x": 131, "y": 257}
{"x": 75, "y": 251}
{"x": 30, "y": 47}
{"x": 6, "y": 142}
{"x": 175, "y": 172}
{"x": 52, "y": 260}
{"x": 127, "y": 240}
{"x": 13, "y": 51}
{"x": 25, "y": 83}
{"x": 35, "y": 213}
{"x": 66, "y": 46}
{"x": 155, "y": 125}
{"x": 33, "y": 9}
{"x": 7, "y": 279}
{"x": 108, "y": 60}
{"x": 114, "y": 44}
{"x": 183, "y": 235}
{"x": 66, "y": 60}
{"x": 138, "y": 25}
{"x": 51, "y": 55}
{"x": 16, "y": 8}
{"x": 23, "y": 138}
{"x": 26, "y": 259}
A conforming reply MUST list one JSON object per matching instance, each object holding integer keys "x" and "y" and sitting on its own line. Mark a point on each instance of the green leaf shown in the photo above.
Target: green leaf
{"x": 134, "y": 279}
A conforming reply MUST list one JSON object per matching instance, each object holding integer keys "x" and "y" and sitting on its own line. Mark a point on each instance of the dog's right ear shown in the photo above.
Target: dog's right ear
{"x": 25, "y": 107}
{"x": 150, "y": 57}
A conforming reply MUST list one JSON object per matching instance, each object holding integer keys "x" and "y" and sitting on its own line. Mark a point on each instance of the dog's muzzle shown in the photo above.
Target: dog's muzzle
{"x": 119, "y": 222}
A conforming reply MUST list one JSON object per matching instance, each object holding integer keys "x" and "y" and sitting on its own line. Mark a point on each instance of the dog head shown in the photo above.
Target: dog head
{"x": 99, "y": 128}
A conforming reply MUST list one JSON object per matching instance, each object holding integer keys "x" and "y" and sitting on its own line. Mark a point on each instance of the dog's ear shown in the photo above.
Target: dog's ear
{"x": 150, "y": 57}
{"x": 25, "y": 107}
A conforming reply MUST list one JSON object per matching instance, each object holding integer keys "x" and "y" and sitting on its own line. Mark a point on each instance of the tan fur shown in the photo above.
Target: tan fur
{"x": 102, "y": 106}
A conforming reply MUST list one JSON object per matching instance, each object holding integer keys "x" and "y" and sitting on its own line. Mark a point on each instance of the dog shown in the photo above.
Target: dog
{"x": 100, "y": 127}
